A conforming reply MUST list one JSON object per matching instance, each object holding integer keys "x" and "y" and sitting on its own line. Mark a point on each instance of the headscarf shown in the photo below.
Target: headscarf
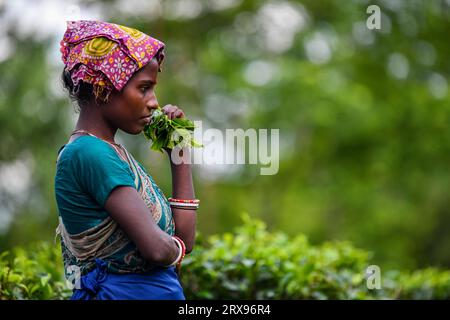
{"x": 106, "y": 55}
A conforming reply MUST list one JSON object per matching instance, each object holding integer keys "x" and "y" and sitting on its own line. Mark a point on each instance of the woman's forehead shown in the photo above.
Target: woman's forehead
{"x": 147, "y": 72}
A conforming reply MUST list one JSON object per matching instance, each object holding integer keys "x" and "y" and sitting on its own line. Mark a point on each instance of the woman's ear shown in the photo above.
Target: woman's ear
{"x": 160, "y": 59}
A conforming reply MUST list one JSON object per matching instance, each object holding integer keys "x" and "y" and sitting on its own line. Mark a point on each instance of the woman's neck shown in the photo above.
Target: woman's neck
{"x": 92, "y": 121}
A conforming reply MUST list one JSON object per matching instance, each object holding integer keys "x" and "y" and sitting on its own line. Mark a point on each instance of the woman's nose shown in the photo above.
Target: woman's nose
{"x": 152, "y": 103}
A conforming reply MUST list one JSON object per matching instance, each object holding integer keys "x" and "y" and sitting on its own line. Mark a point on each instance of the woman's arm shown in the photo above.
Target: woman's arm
{"x": 127, "y": 208}
{"x": 183, "y": 188}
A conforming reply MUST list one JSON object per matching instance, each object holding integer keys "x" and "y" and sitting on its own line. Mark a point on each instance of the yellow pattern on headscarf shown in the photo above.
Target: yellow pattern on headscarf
{"x": 99, "y": 47}
{"x": 136, "y": 34}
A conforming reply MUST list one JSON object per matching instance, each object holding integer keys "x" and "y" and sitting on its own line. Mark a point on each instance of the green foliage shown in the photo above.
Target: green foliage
{"x": 425, "y": 284}
{"x": 169, "y": 133}
{"x": 250, "y": 263}
{"x": 364, "y": 150}
{"x": 36, "y": 273}
{"x": 255, "y": 264}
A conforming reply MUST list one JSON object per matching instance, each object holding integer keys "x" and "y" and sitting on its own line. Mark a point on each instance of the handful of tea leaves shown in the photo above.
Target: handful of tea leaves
{"x": 167, "y": 133}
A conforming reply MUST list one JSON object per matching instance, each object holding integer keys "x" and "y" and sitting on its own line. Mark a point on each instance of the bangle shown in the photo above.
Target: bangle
{"x": 197, "y": 201}
{"x": 179, "y": 253}
{"x": 182, "y": 252}
{"x": 189, "y": 206}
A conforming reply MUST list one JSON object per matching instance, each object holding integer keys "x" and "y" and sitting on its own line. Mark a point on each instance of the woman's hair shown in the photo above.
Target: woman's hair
{"x": 85, "y": 93}
{"x": 82, "y": 94}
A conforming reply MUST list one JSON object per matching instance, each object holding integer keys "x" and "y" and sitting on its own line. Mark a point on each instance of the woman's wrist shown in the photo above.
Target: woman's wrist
{"x": 181, "y": 251}
{"x": 179, "y": 157}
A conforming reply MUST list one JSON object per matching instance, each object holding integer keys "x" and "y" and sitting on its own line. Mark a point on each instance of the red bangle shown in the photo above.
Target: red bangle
{"x": 184, "y": 200}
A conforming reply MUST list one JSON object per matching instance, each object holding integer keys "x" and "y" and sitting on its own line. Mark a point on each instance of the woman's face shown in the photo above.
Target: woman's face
{"x": 130, "y": 109}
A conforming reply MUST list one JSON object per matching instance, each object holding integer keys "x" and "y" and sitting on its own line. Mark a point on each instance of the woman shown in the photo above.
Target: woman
{"x": 118, "y": 230}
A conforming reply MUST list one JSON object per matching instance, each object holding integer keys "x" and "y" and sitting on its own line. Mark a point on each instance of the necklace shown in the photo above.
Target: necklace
{"x": 93, "y": 135}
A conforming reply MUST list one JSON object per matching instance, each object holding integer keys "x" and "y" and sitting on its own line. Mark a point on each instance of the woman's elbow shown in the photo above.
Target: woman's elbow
{"x": 189, "y": 247}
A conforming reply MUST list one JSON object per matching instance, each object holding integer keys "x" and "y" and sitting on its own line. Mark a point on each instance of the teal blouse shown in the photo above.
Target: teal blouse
{"x": 87, "y": 170}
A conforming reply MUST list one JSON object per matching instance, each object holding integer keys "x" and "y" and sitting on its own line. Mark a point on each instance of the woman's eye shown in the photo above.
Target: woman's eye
{"x": 144, "y": 89}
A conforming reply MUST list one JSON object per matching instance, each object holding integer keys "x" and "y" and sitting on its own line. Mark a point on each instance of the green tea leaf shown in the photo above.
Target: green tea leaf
{"x": 167, "y": 133}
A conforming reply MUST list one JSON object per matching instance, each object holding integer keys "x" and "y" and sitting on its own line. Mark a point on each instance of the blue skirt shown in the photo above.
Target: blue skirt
{"x": 163, "y": 284}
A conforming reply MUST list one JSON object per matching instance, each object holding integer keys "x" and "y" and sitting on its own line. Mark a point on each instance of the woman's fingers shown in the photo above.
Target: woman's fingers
{"x": 168, "y": 110}
{"x": 173, "y": 112}
{"x": 179, "y": 113}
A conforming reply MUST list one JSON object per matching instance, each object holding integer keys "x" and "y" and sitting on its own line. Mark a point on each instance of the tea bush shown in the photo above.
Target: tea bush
{"x": 250, "y": 263}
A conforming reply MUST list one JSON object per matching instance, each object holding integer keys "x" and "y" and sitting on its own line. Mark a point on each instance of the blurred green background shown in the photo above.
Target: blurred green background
{"x": 363, "y": 115}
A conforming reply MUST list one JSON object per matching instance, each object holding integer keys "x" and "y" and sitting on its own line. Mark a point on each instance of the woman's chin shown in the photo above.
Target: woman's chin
{"x": 134, "y": 131}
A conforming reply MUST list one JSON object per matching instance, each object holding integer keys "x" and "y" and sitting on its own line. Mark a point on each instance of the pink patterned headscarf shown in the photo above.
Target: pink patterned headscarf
{"x": 106, "y": 55}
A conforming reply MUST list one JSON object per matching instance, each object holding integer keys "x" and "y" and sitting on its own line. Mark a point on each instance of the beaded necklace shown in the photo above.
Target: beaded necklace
{"x": 93, "y": 135}
{"x": 112, "y": 144}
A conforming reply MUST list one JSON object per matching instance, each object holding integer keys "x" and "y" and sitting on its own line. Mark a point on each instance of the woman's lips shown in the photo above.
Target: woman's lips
{"x": 146, "y": 119}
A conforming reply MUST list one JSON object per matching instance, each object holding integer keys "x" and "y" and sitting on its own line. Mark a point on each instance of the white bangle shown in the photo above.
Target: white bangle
{"x": 179, "y": 254}
{"x": 184, "y": 205}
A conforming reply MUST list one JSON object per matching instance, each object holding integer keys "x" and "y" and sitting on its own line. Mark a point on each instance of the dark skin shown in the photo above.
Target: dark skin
{"x": 126, "y": 110}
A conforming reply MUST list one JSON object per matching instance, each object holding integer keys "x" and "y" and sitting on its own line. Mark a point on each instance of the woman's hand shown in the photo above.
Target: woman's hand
{"x": 172, "y": 112}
